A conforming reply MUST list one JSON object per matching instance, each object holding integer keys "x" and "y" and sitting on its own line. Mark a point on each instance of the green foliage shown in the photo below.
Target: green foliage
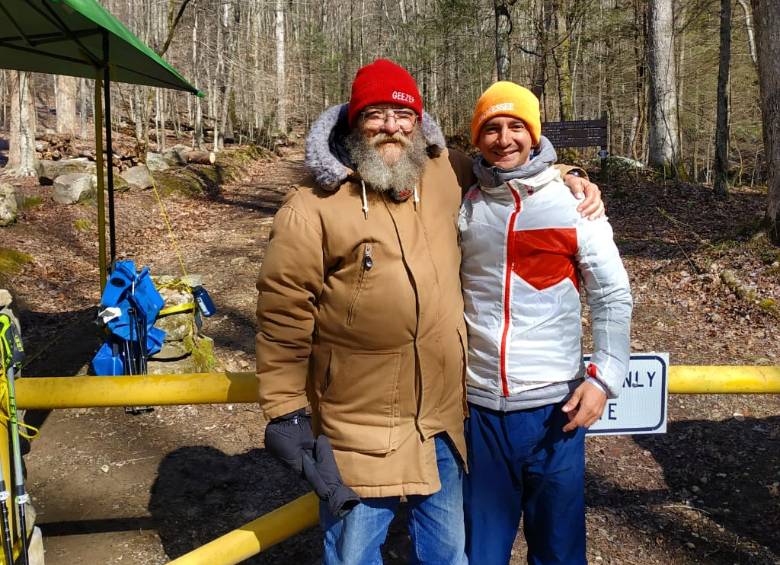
{"x": 30, "y": 202}
{"x": 202, "y": 352}
{"x": 12, "y": 261}
{"x": 82, "y": 225}
{"x": 194, "y": 180}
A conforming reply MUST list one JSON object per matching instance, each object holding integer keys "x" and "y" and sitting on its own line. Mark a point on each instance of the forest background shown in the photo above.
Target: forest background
{"x": 681, "y": 82}
{"x": 269, "y": 67}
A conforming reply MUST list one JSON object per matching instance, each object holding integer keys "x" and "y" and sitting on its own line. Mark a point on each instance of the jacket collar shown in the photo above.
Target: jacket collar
{"x": 327, "y": 158}
{"x": 524, "y": 187}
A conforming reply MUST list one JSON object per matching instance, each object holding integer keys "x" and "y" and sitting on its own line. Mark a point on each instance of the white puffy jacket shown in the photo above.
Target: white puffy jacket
{"x": 525, "y": 251}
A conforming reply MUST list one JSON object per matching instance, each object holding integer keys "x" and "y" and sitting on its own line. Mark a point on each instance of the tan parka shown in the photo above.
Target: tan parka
{"x": 360, "y": 315}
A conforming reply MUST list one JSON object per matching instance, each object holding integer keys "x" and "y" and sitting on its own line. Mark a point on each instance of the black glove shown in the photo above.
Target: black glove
{"x": 323, "y": 474}
{"x": 288, "y": 437}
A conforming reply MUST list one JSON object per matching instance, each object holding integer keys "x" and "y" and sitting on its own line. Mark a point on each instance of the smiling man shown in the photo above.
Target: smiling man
{"x": 360, "y": 316}
{"x": 526, "y": 250}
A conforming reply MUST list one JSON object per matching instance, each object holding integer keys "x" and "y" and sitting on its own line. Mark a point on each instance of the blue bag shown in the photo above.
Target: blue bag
{"x": 133, "y": 335}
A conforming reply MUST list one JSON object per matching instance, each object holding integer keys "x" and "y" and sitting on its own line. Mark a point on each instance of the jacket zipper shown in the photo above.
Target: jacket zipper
{"x": 367, "y": 262}
{"x": 508, "y": 288}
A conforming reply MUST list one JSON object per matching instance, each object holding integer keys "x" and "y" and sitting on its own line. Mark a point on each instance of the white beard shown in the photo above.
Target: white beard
{"x": 400, "y": 176}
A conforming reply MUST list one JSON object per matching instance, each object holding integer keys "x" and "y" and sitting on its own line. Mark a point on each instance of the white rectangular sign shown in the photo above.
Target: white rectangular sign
{"x": 641, "y": 406}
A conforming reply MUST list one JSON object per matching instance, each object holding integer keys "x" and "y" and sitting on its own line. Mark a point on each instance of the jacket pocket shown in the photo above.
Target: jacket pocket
{"x": 366, "y": 259}
{"x": 359, "y": 406}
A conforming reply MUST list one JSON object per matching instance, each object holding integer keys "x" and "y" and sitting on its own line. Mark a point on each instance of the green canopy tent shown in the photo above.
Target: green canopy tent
{"x": 81, "y": 38}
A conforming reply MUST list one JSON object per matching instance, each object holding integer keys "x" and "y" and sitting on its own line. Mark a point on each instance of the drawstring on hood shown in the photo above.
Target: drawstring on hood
{"x": 365, "y": 198}
{"x": 541, "y": 158}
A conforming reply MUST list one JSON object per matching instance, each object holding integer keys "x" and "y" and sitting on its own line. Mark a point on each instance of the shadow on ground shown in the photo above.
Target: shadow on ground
{"x": 665, "y": 220}
{"x": 201, "y": 493}
{"x": 57, "y": 344}
{"x": 727, "y": 472}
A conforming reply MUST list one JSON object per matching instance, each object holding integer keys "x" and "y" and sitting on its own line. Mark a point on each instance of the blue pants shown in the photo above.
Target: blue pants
{"x": 521, "y": 464}
{"x": 435, "y": 522}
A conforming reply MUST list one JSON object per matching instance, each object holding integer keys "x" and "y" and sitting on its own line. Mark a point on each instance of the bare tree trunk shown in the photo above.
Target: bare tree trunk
{"x": 767, "y": 14}
{"x": 281, "y": 91}
{"x": 503, "y": 35}
{"x": 21, "y": 148}
{"x": 543, "y": 31}
{"x": 562, "y": 57}
{"x": 722, "y": 127}
{"x": 157, "y": 135}
{"x": 138, "y": 115}
{"x": 66, "y": 104}
{"x": 749, "y": 28}
{"x": 83, "y": 108}
{"x": 197, "y": 132}
{"x": 663, "y": 132}
{"x": 639, "y": 121}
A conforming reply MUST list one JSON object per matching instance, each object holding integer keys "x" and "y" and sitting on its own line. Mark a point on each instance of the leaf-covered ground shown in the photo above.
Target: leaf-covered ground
{"x": 111, "y": 488}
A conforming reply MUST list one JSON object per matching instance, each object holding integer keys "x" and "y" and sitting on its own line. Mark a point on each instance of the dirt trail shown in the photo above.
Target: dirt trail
{"x": 112, "y": 488}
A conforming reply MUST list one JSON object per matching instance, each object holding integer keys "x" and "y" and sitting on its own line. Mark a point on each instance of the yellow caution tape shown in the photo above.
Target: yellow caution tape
{"x": 176, "y": 309}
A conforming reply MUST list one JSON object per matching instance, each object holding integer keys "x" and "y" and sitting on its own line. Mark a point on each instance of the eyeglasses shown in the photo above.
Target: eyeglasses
{"x": 375, "y": 118}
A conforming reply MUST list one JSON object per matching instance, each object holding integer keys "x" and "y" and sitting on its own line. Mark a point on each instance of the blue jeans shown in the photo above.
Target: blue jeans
{"x": 435, "y": 522}
{"x": 521, "y": 463}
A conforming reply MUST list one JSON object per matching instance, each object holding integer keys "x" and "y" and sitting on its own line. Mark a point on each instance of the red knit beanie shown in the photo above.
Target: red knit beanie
{"x": 383, "y": 82}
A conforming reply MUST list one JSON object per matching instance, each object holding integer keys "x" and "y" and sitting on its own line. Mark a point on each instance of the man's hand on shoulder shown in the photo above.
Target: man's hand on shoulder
{"x": 585, "y": 406}
{"x": 592, "y": 206}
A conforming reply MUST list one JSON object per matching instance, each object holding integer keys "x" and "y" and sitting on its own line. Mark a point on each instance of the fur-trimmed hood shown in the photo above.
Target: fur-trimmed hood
{"x": 327, "y": 158}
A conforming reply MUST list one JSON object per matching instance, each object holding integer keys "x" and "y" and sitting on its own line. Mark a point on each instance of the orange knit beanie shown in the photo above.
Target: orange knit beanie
{"x": 506, "y": 98}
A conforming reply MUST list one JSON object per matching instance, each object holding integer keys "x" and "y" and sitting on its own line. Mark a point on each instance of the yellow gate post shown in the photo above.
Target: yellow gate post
{"x": 724, "y": 379}
{"x": 219, "y": 388}
{"x": 48, "y": 393}
{"x": 256, "y": 536}
{"x": 5, "y": 461}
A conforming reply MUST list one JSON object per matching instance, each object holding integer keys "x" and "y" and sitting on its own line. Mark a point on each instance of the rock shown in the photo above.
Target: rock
{"x": 173, "y": 350}
{"x": 8, "y": 204}
{"x": 73, "y": 187}
{"x": 138, "y": 177}
{"x": 178, "y": 367}
{"x": 50, "y": 170}
{"x": 175, "y": 155}
{"x": 616, "y": 162}
{"x": 173, "y": 296}
{"x": 5, "y": 298}
{"x": 192, "y": 280}
{"x": 120, "y": 184}
{"x": 35, "y": 553}
{"x": 156, "y": 162}
{"x": 190, "y": 355}
{"x": 203, "y": 354}
{"x": 176, "y": 326}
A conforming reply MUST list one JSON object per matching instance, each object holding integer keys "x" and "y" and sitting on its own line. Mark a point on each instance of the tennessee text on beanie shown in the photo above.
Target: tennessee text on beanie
{"x": 383, "y": 82}
{"x": 506, "y": 98}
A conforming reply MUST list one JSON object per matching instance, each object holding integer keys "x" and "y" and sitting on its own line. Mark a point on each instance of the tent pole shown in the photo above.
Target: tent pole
{"x": 109, "y": 152}
{"x": 101, "y": 206}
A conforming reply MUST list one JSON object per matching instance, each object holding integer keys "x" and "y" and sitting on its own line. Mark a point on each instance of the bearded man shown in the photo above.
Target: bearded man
{"x": 360, "y": 317}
